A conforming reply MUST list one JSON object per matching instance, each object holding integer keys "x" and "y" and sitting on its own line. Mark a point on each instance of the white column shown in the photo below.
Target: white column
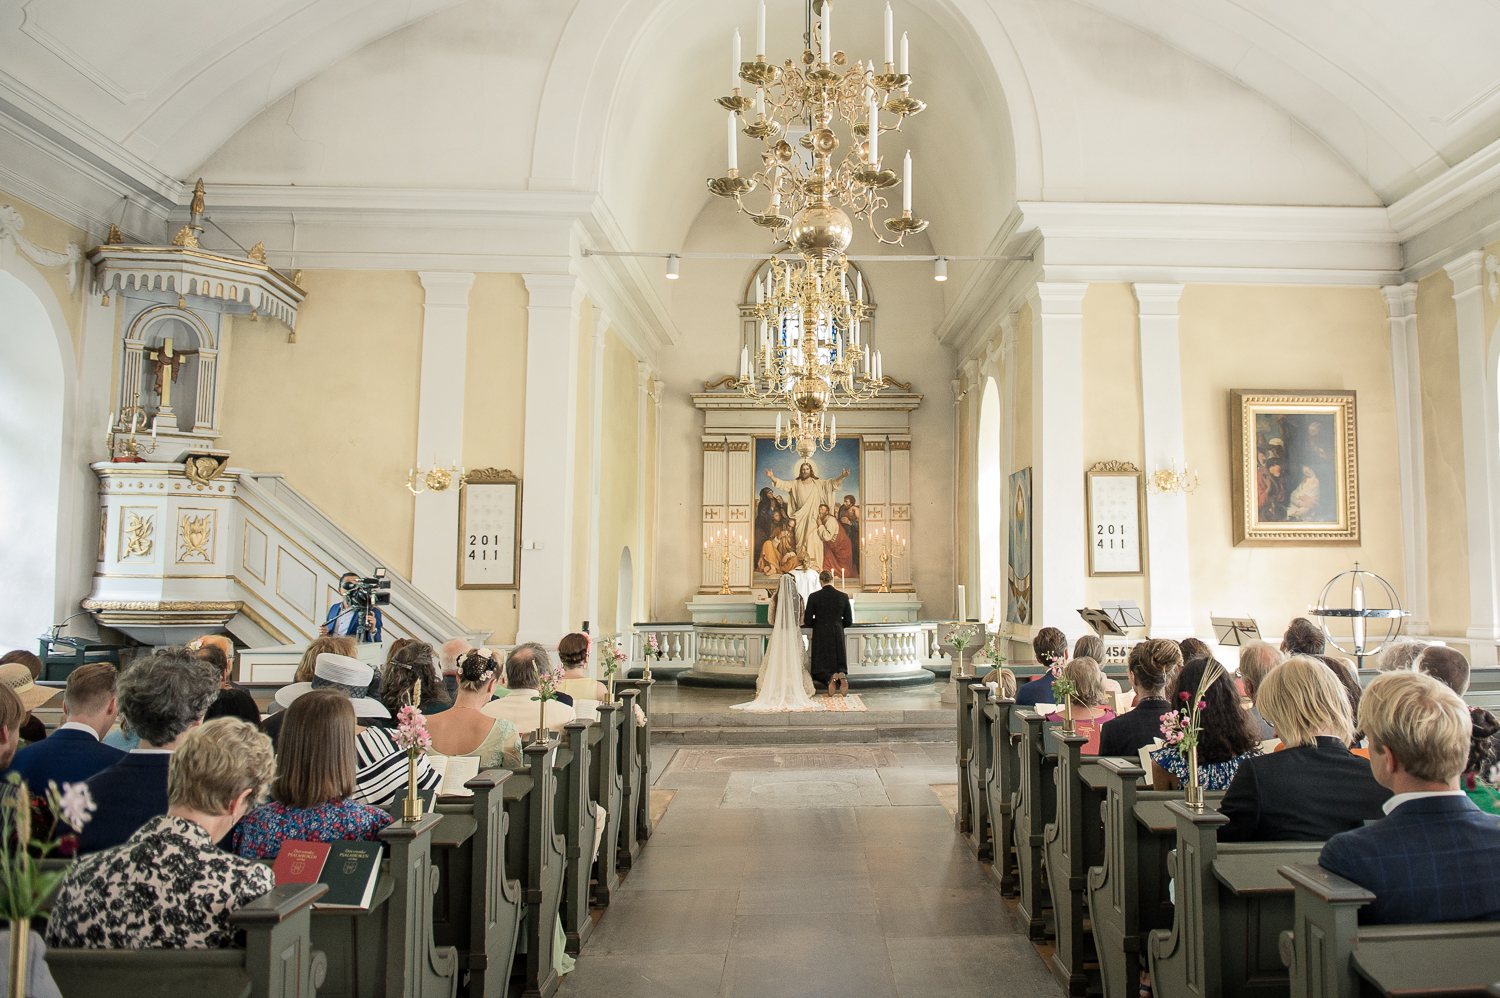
{"x": 1169, "y": 583}
{"x": 440, "y": 433}
{"x": 1057, "y": 509}
{"x": 1406, "y": 385}
{"x": 970, "y": 390}
{"x": 1477, "y": 403}
{"x": 596, "y": 460}
{"x": 641, "y": 604}
{"x": 1007, "y": 453}
{"x": 551, "y": 422}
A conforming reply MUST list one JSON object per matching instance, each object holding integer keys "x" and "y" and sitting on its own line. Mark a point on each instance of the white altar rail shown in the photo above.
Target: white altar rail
{"x": 737, "y": 648}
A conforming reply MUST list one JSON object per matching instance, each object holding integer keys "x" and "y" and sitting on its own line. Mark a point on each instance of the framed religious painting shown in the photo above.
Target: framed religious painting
{"x": 1114, "y": 494}
{"x": 1018, "y": 558}
{"x": 489, "y": 530}
{"x": 1294, "y": 467}
{"x": 806, "y": 509}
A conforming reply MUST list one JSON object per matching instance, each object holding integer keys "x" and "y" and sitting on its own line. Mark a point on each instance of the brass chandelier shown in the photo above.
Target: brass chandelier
{"x": 809, "y": 355}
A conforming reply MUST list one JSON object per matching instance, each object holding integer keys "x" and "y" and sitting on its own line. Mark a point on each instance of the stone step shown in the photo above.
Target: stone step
{"x": 800, "y": 734}
{"x": 802, "y": 719}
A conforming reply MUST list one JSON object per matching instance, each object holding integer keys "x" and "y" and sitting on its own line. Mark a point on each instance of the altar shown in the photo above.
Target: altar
{"x": 750, "y": 608}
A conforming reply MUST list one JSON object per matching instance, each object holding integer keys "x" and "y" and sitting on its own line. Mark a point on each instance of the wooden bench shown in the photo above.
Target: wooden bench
{"x": 477, "y": 909}
{"x": 973, "y": 764}
{"x": 1035, "y": 805}
{"x": 1001, "y": 784}
{"x": 632, "y": 785}
{"x": 535, "y": 853}
{"x": 1231, "y": 909}
{"x": 576, "y": 820}
{"x": 278, "y": 961}
{"x": 641, "y": 745}
{"x": 605, "y": 776}
{"x": 1330, "y": 955}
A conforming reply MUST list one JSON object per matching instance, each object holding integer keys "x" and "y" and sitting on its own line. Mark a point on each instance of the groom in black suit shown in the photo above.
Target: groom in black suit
{"x": 828, "y": 613}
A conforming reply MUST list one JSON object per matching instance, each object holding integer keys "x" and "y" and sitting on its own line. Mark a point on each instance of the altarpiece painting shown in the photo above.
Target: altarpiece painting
{"x": 806, "y": 509}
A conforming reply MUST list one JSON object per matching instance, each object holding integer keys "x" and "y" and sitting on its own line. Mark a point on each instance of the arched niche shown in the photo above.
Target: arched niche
{"x": 194, "y": 393}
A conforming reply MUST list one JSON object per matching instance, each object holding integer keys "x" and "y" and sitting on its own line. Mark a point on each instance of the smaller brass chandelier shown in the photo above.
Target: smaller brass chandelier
{"x": 1166, "y": 482}
{"x": 435, "y": 479}
{"x": 806, "y": 433}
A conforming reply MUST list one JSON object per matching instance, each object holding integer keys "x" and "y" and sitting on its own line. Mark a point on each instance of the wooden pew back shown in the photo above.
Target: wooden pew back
{"x": 1001, "y": 784}
{"x": 1036, "y": 803}
{"x": 604, "y": 774}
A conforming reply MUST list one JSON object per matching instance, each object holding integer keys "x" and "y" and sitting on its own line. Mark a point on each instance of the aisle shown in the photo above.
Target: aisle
{"x": 822, "y": 871}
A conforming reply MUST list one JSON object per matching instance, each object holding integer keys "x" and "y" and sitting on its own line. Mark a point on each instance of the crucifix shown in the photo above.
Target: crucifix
{"x": 164, "y": 360}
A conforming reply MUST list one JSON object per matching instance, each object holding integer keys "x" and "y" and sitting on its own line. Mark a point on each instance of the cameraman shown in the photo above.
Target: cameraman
{"x": 344, "y": 620}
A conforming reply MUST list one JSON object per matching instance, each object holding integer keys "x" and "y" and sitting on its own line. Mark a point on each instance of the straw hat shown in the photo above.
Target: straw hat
{"x": 18, "y": 678}
{"x": 339, "y": 672}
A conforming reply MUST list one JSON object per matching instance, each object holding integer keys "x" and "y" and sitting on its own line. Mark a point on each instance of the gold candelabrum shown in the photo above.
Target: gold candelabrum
{"x": 809, "y": 351}
{"x": 807, "y": 433}
{"x": 889, "y": 546}
{"x": 1165, "y": 482}
{"x": 726, "y": 547}
{"x": 435, "y": 478}
{"x": 135, "y": 417}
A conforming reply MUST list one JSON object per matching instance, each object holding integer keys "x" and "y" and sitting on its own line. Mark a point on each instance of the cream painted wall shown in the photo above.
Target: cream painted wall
{"x": 1443, "y": 457}
{"x": 619, "y": 471}
{"x": 1285, "y": 338}
{"x": 335, "y": 412}
{"x": 1111, "y": 400}
{"x": 578, "y": 598}
{"x": 494, "y": 417}
{"x": 50, "y": 232}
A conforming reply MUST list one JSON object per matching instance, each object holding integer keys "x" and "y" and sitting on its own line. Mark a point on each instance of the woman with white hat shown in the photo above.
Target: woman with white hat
{"x": 332, "y": 671}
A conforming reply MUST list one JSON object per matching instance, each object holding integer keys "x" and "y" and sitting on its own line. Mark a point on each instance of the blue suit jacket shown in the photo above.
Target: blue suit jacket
{"x": 1039, "y": 690}
{"x": 129, "y": 793}
{"x": 333, "y": 615}
{"x": 1433, "y": 859}
{"x": 63, "y": 756}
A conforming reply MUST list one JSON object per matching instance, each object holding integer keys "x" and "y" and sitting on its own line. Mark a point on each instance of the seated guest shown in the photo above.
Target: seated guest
{"x": 32, "y": 730}
{"x": 162, "y": 697}
{"x": 1152, "y": 664}
{"x": 18, "y": 677}
{"x": 1435, "y": 857}
{"x": 348, "y": 676}
{"x": 73, "y": 752}
{"x": 573, "y": 652}
{"x": 233, "y": 700}
{"x": 1005, "y": 683}
{"x": 413, "y": 663}
{"x": 523, "y": 669}
{"x": 465, "y": 729}
{"x": 1399, "y": 654}
{"x": 1347, "y": 678}
{"x": 1092, "y": 646}
{"x": 1051, "y": 649}
{"x": 448, "y": 656}
{"x": 1257, "y": 659}
{"x": 11, "y": 714}
{"x": 169, "y": 886}
{"x": 1450, "y": 668}
{"x": 311, "y": 794}
{"x": 1194, "y": 648}
{"x": 1226, "y": 737}
{"x": 326, "y": 645}
{"x": 1303, "y": 637}
{"x": 1314, "y": 789}
{"x": 1089, "y": 712}
{"x": 217, "y": 647}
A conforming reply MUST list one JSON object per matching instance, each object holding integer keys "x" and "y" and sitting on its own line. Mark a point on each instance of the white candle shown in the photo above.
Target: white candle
{"x": 760, "y": 30}
{"x": 874, "y": 138}
{"x": 833, "y": 432}
{"x": 153, "y": 427}
{"x": 905, "y": 188}
{"x": 734, "y": 66}
{"x": 963, "y": 606}
{"x": 859, "y": 286}
{"x": 760, "y": 101}
{"x": 890, "y": 34}
{"x": 734, "y": 159}
{"x": 744, "y": 360}
{"x": 905, "y": 55}
{"x": 109, "y": 423}
{"x": 778, "y": 426}
{"x": 827, "y": 30}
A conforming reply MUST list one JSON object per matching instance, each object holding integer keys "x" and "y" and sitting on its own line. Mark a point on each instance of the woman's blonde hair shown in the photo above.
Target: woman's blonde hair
{"x": 1006, "y": 683}
{"x": 1302, "y": 696}
{"x": 1089, "y": 680}
{"x": 328, "y": 644}
{"x": 216, "y": 762}
{"x": 1424, "y": 722}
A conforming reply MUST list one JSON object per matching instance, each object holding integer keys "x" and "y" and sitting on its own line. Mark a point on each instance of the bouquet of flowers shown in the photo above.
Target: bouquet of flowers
{"x": 547, "y": 684}
{"x": 23, "y": 884}
{"x": 1064, "y": 691}
{"x": 993, "y": 655}
{"x": 653, "y": 647}
{"x": 612, "y": 659}
{"x": 1180, "y": 728}
{"x": 412, "y": 736}
{"x": 959, "y": 637}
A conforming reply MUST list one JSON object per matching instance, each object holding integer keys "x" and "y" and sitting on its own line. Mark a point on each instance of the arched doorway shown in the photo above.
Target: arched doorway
{"x": 32, "y": 394}
{"x": 988, "y": 499}
{"x": 624, "y": 594}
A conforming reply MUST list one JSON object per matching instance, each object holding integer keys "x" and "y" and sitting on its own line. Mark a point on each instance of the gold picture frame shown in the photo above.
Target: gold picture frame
{"x": 503, "y": 480}
{"x": 1294, "y": 467}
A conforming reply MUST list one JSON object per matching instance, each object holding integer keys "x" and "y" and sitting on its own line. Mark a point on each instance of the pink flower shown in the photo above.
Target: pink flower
{"x": 1182, "y": 696}
{"x": 411, "y": 730}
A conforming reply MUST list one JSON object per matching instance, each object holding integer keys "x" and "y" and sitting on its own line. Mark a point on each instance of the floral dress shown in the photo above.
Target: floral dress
{"x": 168, "y": 887}
{"x": 1211, "y": 775}
{"x": 260, "y": 833}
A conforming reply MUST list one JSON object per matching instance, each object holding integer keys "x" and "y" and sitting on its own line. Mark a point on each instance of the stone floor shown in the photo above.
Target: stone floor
{"x": 803, "y": 870}
{"x": 689, "y": 716}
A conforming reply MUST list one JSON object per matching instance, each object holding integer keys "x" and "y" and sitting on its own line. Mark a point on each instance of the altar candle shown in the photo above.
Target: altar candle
{"x": 905, "y": 55}
{"x": 734, "y": 160}
{"x": 905, "y": 187}
{"x": 963, "y": 606}
{"x": 890, "y": 34}
{"x": 734, "y": 62}
{"x": 153, "y": 427}
{"x": 760, "y": 30}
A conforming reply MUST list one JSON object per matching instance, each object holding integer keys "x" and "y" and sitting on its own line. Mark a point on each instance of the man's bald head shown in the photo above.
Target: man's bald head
{"x": 451, "y": 652}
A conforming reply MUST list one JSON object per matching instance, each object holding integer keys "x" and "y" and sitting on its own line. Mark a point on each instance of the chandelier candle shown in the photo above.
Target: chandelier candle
{"x": 890, "y": 33}
{"x": 760, "y": 37}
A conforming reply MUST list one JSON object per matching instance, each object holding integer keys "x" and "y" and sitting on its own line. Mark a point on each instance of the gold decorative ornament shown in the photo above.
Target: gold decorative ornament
{"x": 204, "y": 468}
{"x": 1165, "y": 482}
{"x": 1122, "y": 467}
{"x": 726, "y": 547}
{"x": 137, "y": 534}
{"x": 434, "y": 479}
{"x": 115, "y": 237}
{"x": 728, "y": 381}
{"x": 258, "y": 252}
{"x": 186, "y": 237}
{"x": 196, "y": 208}
{"x": 889, "y": 546}
{"x": 196, "y": 533}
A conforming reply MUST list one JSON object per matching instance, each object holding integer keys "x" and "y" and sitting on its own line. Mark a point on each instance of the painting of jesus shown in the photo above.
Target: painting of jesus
{"x": 806, "y": 510}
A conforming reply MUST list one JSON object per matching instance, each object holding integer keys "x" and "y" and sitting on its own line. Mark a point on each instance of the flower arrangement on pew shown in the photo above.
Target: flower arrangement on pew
{"x": 1180, "y": 729}
{"x": 1064, "y": 691}
{"x": 23, "y": 884}
{"x": 612, "y": 659}
{"x": 959, "y": 637}
{"x": 547, "y": 682}
{"x": 411, "y": 735}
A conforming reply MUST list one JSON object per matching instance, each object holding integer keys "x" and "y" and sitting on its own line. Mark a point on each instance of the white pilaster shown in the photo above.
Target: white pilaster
{"x": 551, "y": 422}
{"x": 641, "y": 605}
{"x": 1169, "y": 583}
{"x": 1058, "y": 515}
{"x": 596, "y": 458}
{"x": 440, "y": 432}
{"x": 1477, "y": 403}
{"x": 1007, "y": 452}
{"x": 971, "y": 391}
{"x": 1406, "y": 385}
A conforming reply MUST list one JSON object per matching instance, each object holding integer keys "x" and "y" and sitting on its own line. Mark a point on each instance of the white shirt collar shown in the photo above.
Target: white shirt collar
{"x": 1400, "y": 799}
{"x": 78, "y": 726}
{"x": 150, "y": 751}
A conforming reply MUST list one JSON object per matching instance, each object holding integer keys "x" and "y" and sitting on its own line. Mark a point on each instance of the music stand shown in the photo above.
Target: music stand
{"x": 1233, "y": 632}
{"x": 1125, "y": 613}
{"x": 1102, "y": 623}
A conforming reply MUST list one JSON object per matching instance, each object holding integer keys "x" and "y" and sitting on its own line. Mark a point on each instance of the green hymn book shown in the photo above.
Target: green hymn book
{"x": 351, "y": 871}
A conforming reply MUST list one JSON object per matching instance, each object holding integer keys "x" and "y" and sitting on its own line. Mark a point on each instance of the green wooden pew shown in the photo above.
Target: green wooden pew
{"x": 633, "y": 785}
{"x": 1232, "y": 906}
{"x": 604, "y": 774}
{"x": 981, "y": 758}
{"x": 278, "y": 961}
{"x": 1330, "y": 955}
{"x": 576, "y": 821}
{"x": 1035, "y": 805}
{"x": 536, "y": 852}
{"x": 641, "y": 743}
{"x": 1001, "y": 784}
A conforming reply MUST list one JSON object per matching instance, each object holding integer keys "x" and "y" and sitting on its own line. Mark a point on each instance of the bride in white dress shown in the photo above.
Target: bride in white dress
{"x": 784, "y": 682}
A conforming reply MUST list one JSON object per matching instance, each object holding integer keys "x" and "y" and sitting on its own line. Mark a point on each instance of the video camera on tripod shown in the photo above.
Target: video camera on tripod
{"x": 362, "y": 596}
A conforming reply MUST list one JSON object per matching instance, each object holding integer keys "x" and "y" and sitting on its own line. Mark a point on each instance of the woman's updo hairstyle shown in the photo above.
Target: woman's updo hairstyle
{"x": 1154, "y": 660}
{"x": 477, "y": 668}
{"x": 573, "y": 650}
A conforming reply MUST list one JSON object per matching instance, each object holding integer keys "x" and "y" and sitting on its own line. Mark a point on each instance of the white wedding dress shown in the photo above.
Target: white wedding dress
{"x": 784, "y": 682}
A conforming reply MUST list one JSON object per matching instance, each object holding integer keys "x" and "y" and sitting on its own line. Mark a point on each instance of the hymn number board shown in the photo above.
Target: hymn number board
{"x": 1114, "y": 499}
{"x": 489, "y": 531}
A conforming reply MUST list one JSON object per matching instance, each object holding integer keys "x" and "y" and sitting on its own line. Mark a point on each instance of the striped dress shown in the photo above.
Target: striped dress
{"x": 380, "y": 769}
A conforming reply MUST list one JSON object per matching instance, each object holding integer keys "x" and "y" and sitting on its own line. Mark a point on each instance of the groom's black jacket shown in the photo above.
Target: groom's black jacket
{"x": 828, "y": 613}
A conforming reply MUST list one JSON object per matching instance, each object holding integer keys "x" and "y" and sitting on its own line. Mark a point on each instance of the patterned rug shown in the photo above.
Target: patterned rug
{"x": 851, "y": 701}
